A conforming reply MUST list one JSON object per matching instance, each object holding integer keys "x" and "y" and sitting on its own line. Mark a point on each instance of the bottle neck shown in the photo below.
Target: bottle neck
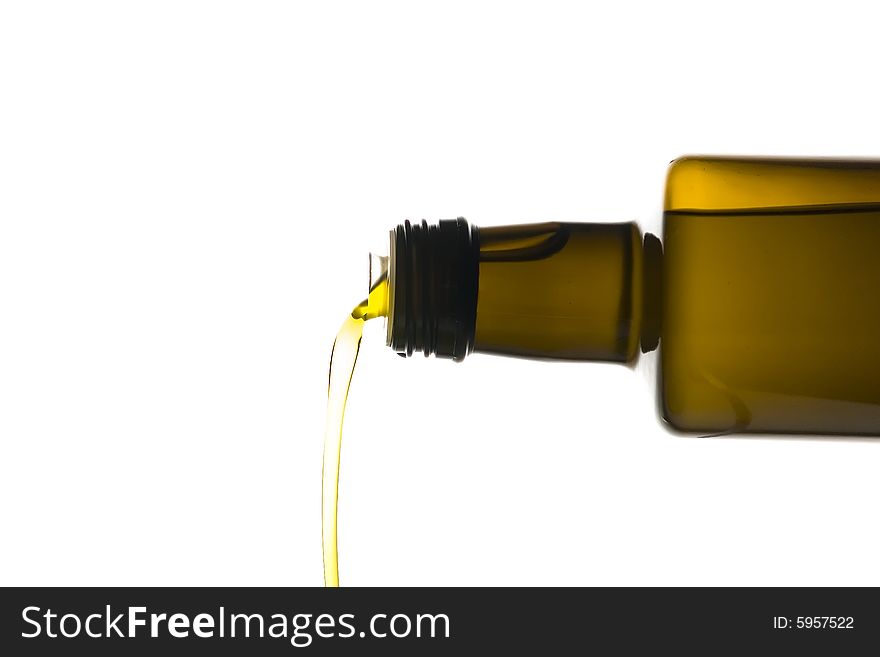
{"x": 553, "y": 290}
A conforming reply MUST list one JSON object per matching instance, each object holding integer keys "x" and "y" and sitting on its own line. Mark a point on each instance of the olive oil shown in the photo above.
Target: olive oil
{"x": 762, "y": 295}
{"x": 343, "y": 359}
{"x": 775, "y": 322}
{"x": 771, "y": 297}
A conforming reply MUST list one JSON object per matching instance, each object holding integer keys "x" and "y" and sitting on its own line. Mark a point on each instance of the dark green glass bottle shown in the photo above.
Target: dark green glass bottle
{"x": 762, "y": 294}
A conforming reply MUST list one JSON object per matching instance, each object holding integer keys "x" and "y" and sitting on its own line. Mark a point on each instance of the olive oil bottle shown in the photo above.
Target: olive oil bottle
{"x": 762, "y": 295}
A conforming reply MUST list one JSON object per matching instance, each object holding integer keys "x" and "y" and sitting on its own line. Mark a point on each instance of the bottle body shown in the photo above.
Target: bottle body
{"x": 763, "y": 298}
{"x": 771, "y": 297}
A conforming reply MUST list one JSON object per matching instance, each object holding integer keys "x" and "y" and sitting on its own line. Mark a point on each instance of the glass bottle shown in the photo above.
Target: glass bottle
{"x": 762, "y": 297}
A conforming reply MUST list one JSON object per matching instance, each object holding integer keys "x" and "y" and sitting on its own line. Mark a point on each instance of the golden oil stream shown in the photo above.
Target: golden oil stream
{"x": 342, "y": 363}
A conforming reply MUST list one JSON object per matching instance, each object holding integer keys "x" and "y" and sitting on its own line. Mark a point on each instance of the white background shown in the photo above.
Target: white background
{"x": 188, "y": 193}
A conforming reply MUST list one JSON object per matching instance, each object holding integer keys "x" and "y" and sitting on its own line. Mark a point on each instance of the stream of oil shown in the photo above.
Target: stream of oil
{"x": 342, "y": 362}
